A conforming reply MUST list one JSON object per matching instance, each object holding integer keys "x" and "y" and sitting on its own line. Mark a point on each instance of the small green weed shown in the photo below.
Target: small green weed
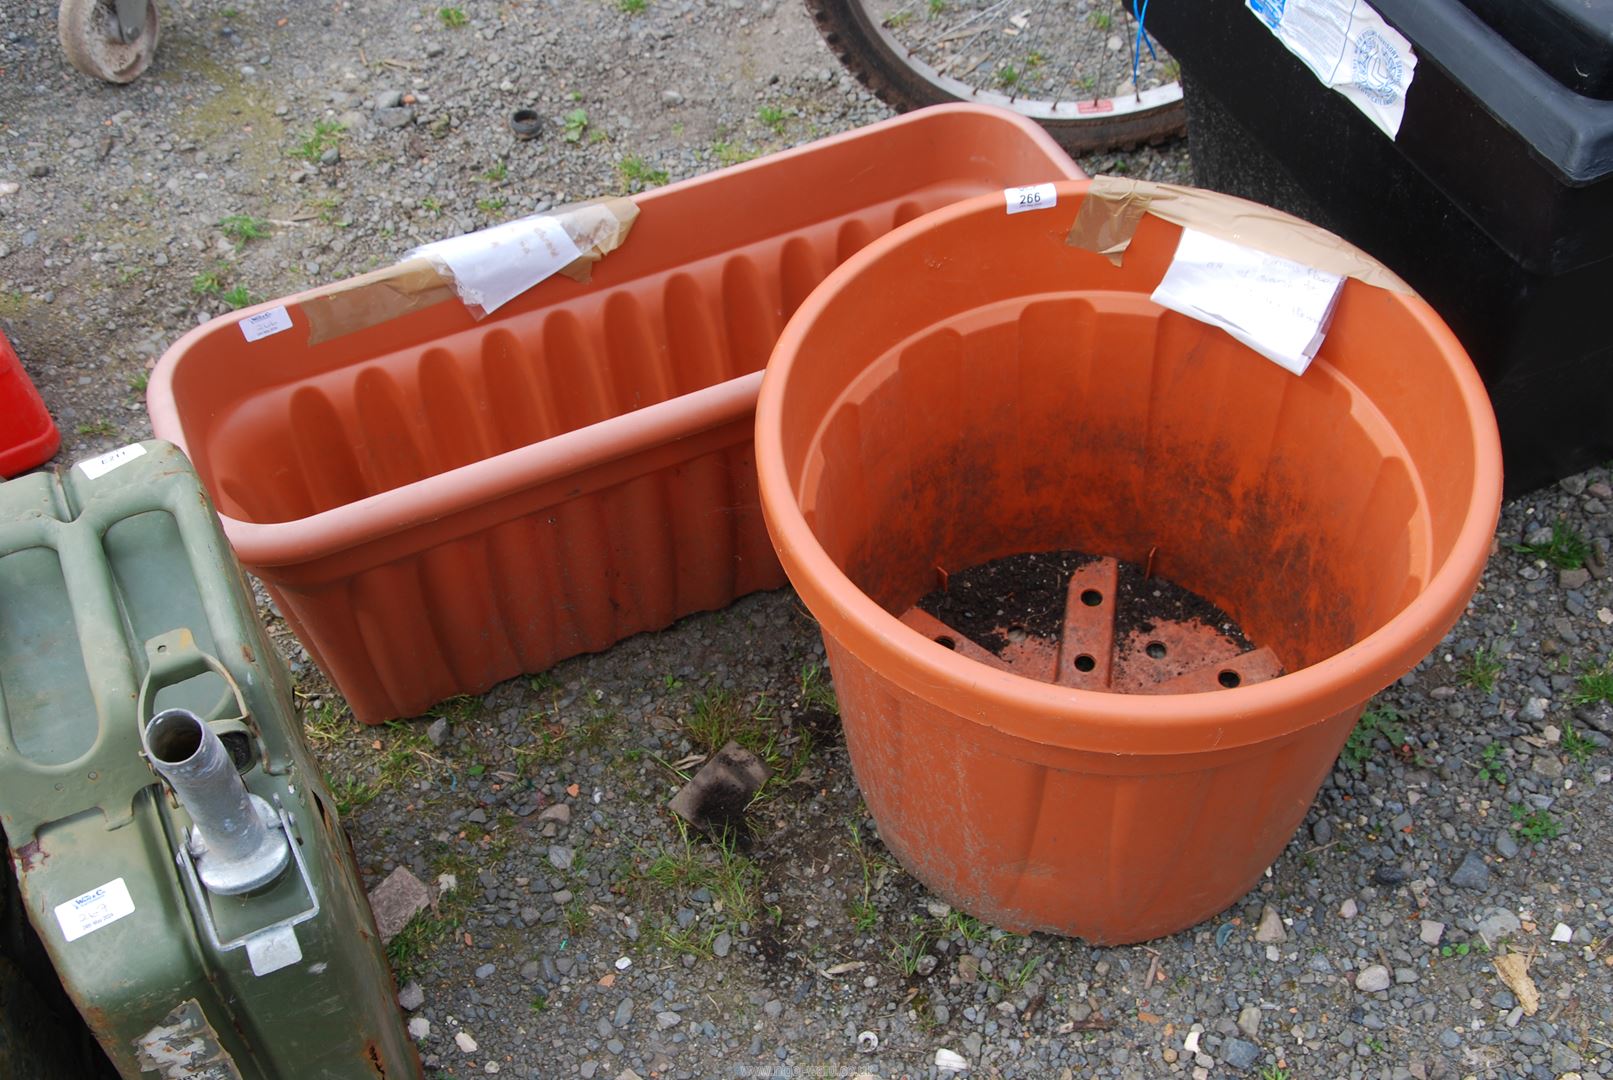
{"x": 1100, "y": 20}
{"x": 576, "y": 122}
{"x": 1566, "y": 550}
{"x": 907, "y": 954}
{"x": 452, "y": 17}
{"x": 431, "y": 205}
{"x": 497, "y": 173}
{"x": 1595, "y": 685}
{"x": 1491, "y": 770}
{"x": 351, "y": 792}
{"x": 1382, "y": 721}
{"x": 938, "y": 7}
{"x": 207, "y": 283}
{"x": 898, "y": 19}
{"x": 1034, "y": 59}
{"x": 728, "y": 153}
{"x": 99, "y": 428}
{"x": 816, "y": 693}
{"x": 772, "y": 116}
{"x": 236, "y": 296}
{"x": 1535, "y": 826}
{"x": 630, "y": 7}
{"x": 326, "y": 134}
{"x": 1007, "y": 75}
{"x": 1451, "y": 952}
{"x": 244, "y": 227}
{"x": 1482, "y": 670}
{"x": 1576, "y": 745}
{"x": 139, "y": 381}
{"x": 637, "y": 174}
{"x": 864, "y": 914}
{"x": 1275, "y": 1072}
{"x": 1016, "y": 978}
{"x": 967, "y": 927}
{"x": 492, "y": 204}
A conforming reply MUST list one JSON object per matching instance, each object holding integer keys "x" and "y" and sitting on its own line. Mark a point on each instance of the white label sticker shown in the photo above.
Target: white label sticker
{"x": 95, "y": 468}
{"x": 1350, "y": 48}
{"x": 265, "y": 323}
{"x": 1031, "y": 197}
{"x": 494, "y": 266}
{"x": 95, "y": 909}
{"x": 1277, "y": 307}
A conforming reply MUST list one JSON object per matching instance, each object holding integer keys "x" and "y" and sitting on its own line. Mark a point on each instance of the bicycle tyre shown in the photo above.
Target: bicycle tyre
{"x": 905, "y": 82}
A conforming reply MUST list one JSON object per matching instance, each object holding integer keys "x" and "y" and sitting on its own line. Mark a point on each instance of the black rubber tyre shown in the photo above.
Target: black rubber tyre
{"x": 904, "y": 82}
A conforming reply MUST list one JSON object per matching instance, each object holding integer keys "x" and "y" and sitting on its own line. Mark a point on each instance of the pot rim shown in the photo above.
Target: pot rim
{"x": 1088, "y": 720}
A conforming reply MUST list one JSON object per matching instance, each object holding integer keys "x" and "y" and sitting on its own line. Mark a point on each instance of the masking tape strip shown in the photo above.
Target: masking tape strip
{"x": 1114, "y": 207}
{"x": 597, "y": 228}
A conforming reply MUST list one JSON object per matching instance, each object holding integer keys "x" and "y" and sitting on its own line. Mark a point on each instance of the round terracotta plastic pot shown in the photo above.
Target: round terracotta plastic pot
{"x": 970, "y": 387}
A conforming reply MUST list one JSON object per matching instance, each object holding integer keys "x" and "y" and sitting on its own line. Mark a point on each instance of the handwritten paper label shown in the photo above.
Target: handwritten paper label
{"x": 95, "y": 468}
{"x": 1033, "y": 197}
{"x": 97, "y": 908}
{"x": 1277, "y": 307}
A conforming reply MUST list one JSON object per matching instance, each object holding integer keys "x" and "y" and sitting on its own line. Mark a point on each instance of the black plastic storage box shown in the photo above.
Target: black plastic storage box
{"x": 1495, "y": 200}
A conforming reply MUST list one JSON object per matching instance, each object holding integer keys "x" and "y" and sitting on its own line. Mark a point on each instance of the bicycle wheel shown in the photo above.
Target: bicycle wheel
{"x": 1068, "y": 65}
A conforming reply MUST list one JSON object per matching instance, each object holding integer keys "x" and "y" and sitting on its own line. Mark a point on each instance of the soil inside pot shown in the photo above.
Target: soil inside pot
{"x": 1090, "y": 621}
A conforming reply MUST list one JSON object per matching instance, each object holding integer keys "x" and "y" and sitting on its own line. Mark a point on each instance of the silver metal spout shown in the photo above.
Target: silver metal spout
{"x": 237, "y": 840}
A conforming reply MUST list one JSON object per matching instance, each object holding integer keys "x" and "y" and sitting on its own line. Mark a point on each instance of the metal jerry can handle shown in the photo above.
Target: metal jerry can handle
{"x": 238, "y": 845}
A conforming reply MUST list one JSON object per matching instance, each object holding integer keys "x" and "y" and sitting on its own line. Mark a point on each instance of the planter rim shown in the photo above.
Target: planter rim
{"x": 386, "y": 513}
{"x": 1088, "y": 720}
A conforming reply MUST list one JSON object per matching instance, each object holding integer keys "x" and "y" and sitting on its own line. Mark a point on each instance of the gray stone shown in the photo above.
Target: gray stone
{"x": 665, "y": 1020}
{"x": 411, "y": 997}
{"x": 396, "y": 117}
{"x": 419, "y": 1028}
{"x": 624, "y": 1012}
{"x": 1270, "y": 930}
{"x": 1497, "y": 923}
{"x": 437, "y": 731}
{"x": 1249, "y": 1020}
{"x": 485, "y": 971}
{"x": 1546, "y": 765}
{"x": 1431, "y": 932}
{"x": 1505, "y": 845}
{"x": 1577, "y": 578}
{"x": 397, "y": 900}
{"x": 1473, "y": 873}
{"x": 1239, "y": 1054}
{"x": 559, "y": 813}
{"x": 1373, "y": 978}
{"x": 560, "y": 856}
{"x": 722, "y": 943}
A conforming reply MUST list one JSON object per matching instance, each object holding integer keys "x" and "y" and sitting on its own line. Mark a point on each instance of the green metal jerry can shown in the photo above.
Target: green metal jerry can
{"x": 174, "y": 845}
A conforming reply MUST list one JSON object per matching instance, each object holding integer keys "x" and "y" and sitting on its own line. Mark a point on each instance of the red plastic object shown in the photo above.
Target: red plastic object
{"x": 972, "y": 386}
{"x": 28, "y": 436}
{"x": 438, "y": 504}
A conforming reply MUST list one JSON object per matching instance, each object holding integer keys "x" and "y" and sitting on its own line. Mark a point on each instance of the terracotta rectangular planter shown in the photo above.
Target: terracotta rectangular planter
{"x": 437, "y": 504}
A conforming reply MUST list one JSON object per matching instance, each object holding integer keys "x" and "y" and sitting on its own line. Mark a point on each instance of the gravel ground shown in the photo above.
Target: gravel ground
{"x": 576, "y": 930}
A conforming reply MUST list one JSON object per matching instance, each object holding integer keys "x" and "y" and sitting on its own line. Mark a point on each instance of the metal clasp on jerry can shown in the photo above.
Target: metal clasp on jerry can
{"x": 238, "y": 844}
